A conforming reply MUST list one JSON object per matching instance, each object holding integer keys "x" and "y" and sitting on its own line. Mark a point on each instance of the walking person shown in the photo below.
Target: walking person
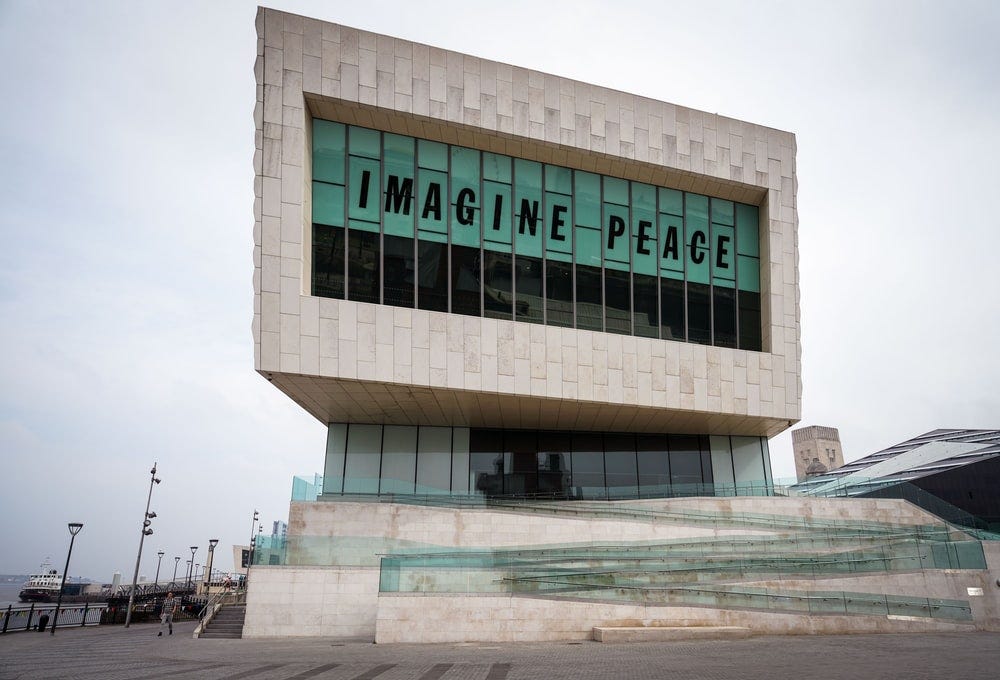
{"x": 167, "y": 614}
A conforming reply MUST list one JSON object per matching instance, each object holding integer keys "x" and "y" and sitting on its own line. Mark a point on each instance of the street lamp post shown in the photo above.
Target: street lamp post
{"x": 74, "y": 529}
{"x": 177, "y": 560}
{"x": 256, "y": 516}
{"x": 194, "y": 549}
{"x": 187, "y": 570}
{"x": 143, "y": 532}
{"x": 212, "y": 542}
{"x": 159, "y": 555}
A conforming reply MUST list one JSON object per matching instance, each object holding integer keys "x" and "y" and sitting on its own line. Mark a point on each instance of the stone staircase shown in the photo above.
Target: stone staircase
{"x": 227, "y": 623}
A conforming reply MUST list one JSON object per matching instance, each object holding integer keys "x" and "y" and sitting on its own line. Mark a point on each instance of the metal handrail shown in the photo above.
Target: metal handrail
{"x": 218, "y": 598}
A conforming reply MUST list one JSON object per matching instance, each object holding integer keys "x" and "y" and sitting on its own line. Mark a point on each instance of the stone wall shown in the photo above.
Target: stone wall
{"x": 343, "y": 601}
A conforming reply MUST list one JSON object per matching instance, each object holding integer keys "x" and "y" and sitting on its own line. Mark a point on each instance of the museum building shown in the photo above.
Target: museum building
{"x": 549, "y": 327}
{"x": 491, "y": 281}
{"x": 545, "y": 323}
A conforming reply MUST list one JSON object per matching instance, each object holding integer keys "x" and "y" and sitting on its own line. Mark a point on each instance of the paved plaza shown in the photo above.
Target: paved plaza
{"x": 113, "y": 652}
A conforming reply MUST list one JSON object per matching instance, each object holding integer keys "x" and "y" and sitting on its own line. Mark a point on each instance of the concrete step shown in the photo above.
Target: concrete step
{"x": 668, "y": 633}
{"x": 230, "y": 619}
{"x": 227, "y": 624}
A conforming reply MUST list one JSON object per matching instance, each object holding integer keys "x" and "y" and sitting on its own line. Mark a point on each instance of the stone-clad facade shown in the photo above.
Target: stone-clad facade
{"x": 479, "y": 449}
{"x": 349, "y": 361}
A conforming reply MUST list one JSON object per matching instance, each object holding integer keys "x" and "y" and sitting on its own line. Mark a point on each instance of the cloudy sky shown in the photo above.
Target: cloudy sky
{"x": 125, "y": 265}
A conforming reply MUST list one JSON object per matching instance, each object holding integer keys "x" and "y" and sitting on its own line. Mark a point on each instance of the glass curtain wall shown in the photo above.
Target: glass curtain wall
{"x": 375, "y": 459}
{"x": 413, "y": 223}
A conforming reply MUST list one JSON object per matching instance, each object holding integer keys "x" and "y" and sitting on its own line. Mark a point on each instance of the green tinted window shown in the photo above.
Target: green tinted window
{"x": 588, "y": 247}
{"x": 671, "y": 202}
{"x": 671, "y": 246}
{"x": 498, "y": 215}
{"x": 587, "y": 200}
{"x": 496, "y": 167}
{"x": 465, "y": 206}
{"x": 644, "y": 242}
{"x": 364, "y": 142}
{"x": 696, "y": 233}
{"x": 723, "y": 256}
{"x": 747, "y": 236}
{"x": 722, "y": 212}
{"x": 622, "y": 235}
{"x": 748, "y": 273}
{"x": 558, "y": 179}
{"x": 615, "y": 191}
{"x": 432, "y": 155}
{"x": 328, "y": 204}
{"x": 329, "y": 151}
{"x": 398, "y": 185}
{"x": 529, "y": 222}
{"x": 559, "y": 238}
{"x": 364, "y": 174}
{"x": 616, "y": 239}
{"x": 432, "y": 192}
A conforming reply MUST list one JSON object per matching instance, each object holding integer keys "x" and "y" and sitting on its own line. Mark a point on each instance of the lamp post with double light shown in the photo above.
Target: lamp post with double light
{"x": 212, "y": 542}
{"x": 74, "y": 529}
{"x": 253, "y": 538}
{"x": 144, "y": 531}
{"x": 194, "y": 549}
{"x": 159, "y": 556}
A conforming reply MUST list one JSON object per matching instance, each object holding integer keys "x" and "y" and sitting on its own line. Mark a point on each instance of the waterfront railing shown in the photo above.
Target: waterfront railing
{"x": 38, "y": 617}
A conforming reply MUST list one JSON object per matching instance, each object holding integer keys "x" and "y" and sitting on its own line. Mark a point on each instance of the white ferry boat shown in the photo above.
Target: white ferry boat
{"x": 42, "y": 587}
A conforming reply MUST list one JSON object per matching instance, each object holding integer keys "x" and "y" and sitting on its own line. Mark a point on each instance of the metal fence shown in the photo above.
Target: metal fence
{"x": 39, "y": 617}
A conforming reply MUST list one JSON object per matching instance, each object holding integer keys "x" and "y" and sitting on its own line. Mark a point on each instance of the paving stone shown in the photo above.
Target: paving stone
{"x": 117, "y": 653}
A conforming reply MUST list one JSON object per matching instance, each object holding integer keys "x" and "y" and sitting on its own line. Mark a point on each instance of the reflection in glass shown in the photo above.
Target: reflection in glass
{"x": 646, "y": 302}
{"x": 399, "y": 459}
{"x": 328, "y": 261}
{"x": 724, "y": 313}
{"x": 528, "y": 289}
{"x": 617, "y": 302}
{"x": 685, "y": 462}
{"x": 620, "y": 466}
{"x": 432, "y": 276}
{"x": 588, "y": 466}
{"x": 553, "y": 463}
{"x": 653, "y": 465}
{"x": 363, "y": 278}
{"x": 398, "y": 265}
{"x": 434, "y": 460}
{"x": 750, "y": 321}
{"x": 498, "y": 292}
{"x": 699, "y": 319}
{"x": 486, "y": 462}
{"x": 520, "y": 463}
{"x": 559, "y": 294}
{"x": 589, "y": 298}
{"x": 672, "y": 309}
{"x": 465, "y": 281}
{"x": 361, "y": 470}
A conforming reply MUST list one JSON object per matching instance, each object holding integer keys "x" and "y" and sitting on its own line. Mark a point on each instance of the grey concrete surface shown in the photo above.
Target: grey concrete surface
{"x": 114, "y": 653}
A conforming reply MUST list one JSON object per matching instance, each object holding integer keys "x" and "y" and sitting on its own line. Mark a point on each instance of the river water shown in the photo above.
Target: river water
{"x": 8, "y": 593}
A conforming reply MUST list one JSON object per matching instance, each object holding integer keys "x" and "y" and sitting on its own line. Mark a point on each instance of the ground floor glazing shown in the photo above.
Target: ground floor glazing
{"x": 495, "y": 463}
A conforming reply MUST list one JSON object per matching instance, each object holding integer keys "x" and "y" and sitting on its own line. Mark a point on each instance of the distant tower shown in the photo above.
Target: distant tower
{"x": 817, "y": 450}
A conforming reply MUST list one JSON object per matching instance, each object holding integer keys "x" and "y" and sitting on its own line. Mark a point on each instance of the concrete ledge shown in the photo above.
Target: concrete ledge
{"x": 668, "y": 633}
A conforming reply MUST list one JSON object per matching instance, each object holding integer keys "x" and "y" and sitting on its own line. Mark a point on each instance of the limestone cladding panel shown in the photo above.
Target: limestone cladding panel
{"x": 503, "y": 618}
{"x": 507, "y": 108}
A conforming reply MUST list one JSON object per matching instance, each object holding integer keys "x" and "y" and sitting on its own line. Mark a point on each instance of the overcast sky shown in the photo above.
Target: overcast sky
{"x": 125, "y": 267}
